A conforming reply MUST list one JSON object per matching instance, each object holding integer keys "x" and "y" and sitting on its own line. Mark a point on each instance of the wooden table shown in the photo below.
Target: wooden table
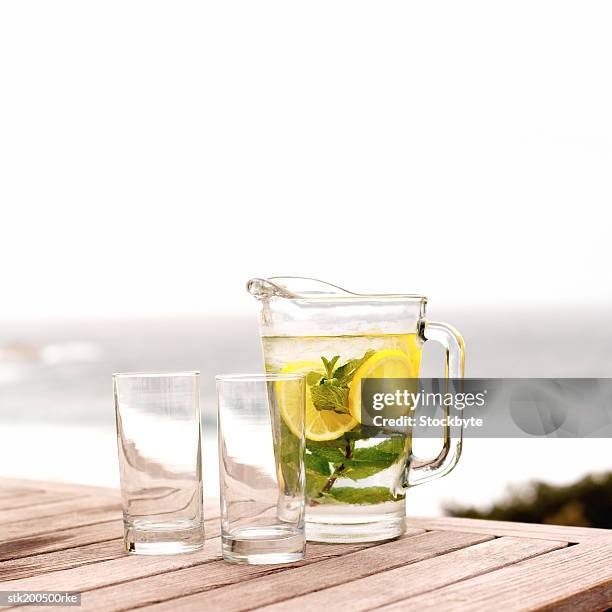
{"x": 56, "y": 537}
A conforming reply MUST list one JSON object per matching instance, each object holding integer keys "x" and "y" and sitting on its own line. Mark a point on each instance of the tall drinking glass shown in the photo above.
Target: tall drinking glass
{"x": 261, "y": 467}
{"x": 158, "y": 436}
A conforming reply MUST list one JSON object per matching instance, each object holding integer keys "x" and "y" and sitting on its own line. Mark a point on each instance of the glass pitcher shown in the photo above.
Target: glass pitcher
{"x": 355, "y": 484}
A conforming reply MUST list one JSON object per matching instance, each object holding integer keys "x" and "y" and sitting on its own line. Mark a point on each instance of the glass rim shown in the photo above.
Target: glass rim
{"x": 160, "y": 374}
{"x": 344, "y": 295}
{"x": 267, "y": 377}
{"x": 363, "y": 297}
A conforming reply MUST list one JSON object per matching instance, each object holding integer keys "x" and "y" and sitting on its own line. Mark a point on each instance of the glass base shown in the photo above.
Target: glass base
{"x": 360, "y": 532}
{"x": 143, "y": 537}
{"x": 351, "y": 523}
{"x": 263, "y": 545}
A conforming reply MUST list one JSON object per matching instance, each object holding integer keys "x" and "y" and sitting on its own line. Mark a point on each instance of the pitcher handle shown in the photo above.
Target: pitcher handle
{"x": 423, "y": 470}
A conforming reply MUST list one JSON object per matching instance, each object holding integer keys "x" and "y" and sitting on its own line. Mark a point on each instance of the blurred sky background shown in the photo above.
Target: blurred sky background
{"x": 155, "y": 155}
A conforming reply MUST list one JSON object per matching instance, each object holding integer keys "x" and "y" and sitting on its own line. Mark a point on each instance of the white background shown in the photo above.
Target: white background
{"x": 154, "y": 155}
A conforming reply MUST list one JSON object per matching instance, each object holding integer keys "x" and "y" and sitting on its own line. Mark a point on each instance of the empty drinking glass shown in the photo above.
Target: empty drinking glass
{"x": 158, "y": 435}
{"x": 261, "y": 467}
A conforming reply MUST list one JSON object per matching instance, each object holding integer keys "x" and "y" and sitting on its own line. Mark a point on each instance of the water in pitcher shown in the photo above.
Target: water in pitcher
{"x": 355, "y": 482}
{"x": 356, "y": 476}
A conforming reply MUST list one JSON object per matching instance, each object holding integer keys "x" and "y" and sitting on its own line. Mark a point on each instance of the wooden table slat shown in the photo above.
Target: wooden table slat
{"x": 35, "y": 499}
{"x": 579, "y": 575}
{"x": 121, "y": 569}
{"x": 389, "y": 586}
{"x": 37, "y": 571}
{"x": 39, "y": 519}
{"x": 67, "y": 520}
{"x": 13, "y": 568}
{"x": 503, "y": 528}
{"x": 58, "y": 487}
{"x": 66, "y": 558}
{"x": 134, "y": 581}
{"x": 268, "y": 589}
{"x": 9, "y": 492}
{"x": 66, "y": 538}
{"x": 55, "y": 508}
{"x": 59, "y": 536}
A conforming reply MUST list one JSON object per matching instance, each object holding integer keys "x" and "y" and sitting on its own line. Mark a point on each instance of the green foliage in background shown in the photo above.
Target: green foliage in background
{"x": 586, "y": 503}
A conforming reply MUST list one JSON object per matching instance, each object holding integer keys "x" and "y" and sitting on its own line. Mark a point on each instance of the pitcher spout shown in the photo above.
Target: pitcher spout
{"x": 263, "y": 289}
{"x": 293, "y": 287}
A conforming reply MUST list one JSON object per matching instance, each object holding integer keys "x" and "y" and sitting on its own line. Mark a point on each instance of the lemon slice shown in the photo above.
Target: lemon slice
{"x": 319, "y": 425}
{"x": 391, "y": 363}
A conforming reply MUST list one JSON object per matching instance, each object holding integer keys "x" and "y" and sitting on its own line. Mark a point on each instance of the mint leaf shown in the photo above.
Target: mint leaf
{"x": 387, "y": 451}
{"x": 344, "y": 374}
{"x": 339, "y": 458}
{"x": 328, "y": 396}
{"x": 317, "y": 464}
{"x": 366, "y": 462}
{"x": 329, "y": 365}
{"x": 313, "y": 378}
{"x": 314, "y": 484}
{"x": 328, "y": 454}
{"x": 330, "y": 392}
{"x": 314, "y": 445}
{"x": 361, "y": 433}
{"x": 365, "y": 495}
{"x": 288, "y": 448}
{"x": 317, "y": 474}
{"x": 363, "y": 471}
